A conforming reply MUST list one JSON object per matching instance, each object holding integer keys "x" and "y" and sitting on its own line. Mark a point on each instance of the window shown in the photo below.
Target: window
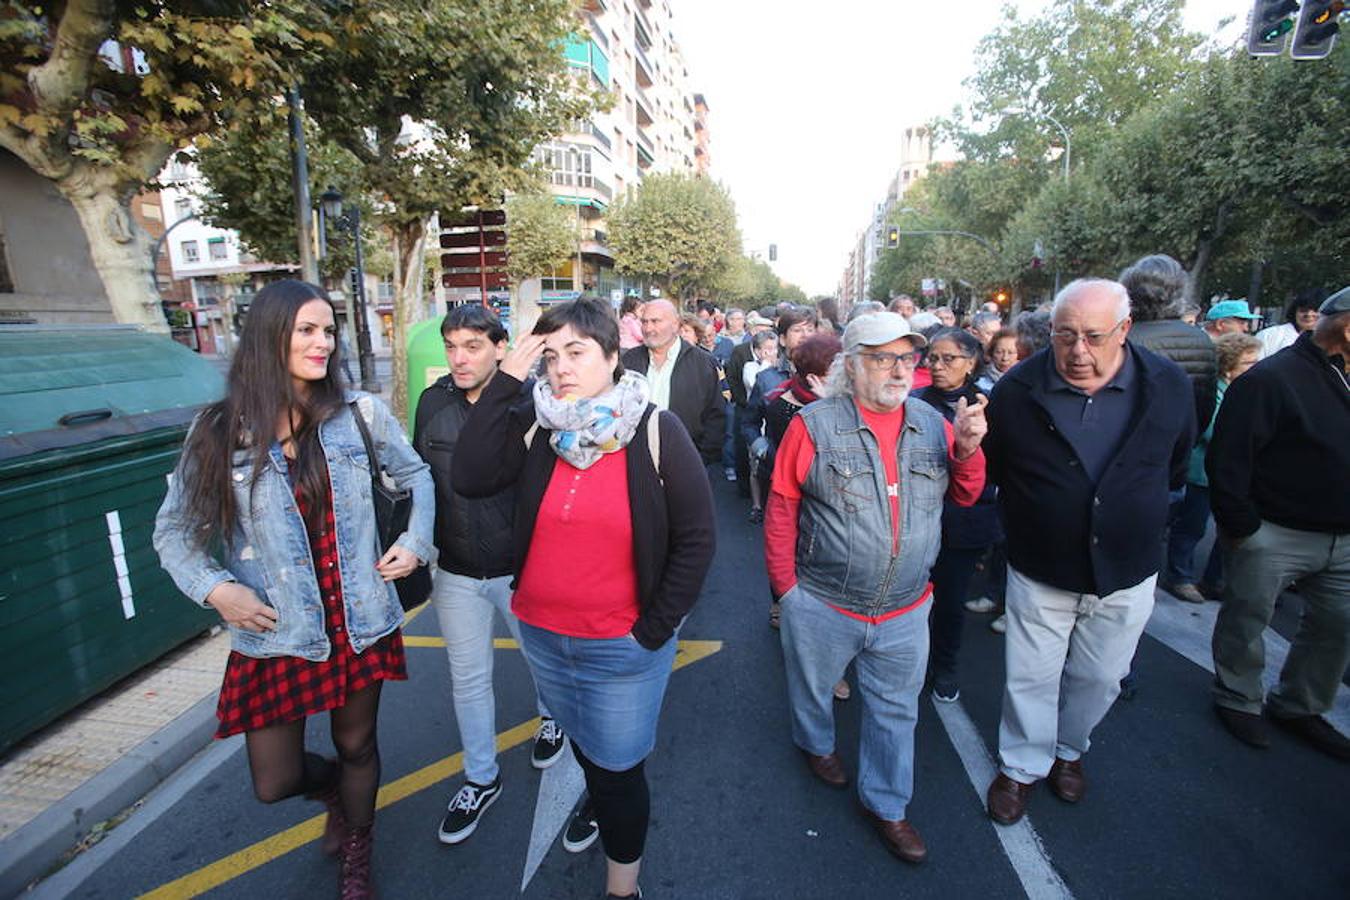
{"x": 182, "y": 208}
{"x": 217, "y": 248}
{"x": 190, "y": 253}
{"x": 567, "y": 164}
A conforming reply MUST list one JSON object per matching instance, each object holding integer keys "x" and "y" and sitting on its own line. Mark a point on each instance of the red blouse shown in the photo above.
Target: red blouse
{"x": 580, "y": 578}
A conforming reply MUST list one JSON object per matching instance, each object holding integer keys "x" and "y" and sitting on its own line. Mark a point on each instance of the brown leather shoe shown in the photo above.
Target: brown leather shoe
{"x": 901, "y": 838}
{"x": 1066, "y": 780}
{"x": 1008, "y": 799}
{"x": 827, "y": 768}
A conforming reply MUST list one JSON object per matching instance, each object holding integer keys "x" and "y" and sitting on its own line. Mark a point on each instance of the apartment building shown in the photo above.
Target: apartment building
{"x": 916, "y": 159}
{"x": 656, "y": 124}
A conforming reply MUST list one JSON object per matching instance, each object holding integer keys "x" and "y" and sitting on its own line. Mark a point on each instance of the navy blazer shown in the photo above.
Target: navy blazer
{"x": 1062, "y": 529}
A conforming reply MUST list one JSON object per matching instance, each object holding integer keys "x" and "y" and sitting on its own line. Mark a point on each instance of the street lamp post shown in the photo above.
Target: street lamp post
{"x": 330, "y": 204}
{"x": 1068, "y": 152}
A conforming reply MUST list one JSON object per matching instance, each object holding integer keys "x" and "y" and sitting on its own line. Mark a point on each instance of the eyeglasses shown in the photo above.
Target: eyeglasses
{"x": 1066, "y": 338}
{"x": 946, "y": 359}
{"x": 885, "y": 361}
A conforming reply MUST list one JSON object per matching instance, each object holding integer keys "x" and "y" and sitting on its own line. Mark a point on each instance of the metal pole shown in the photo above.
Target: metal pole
{"x": 304, "y": 222}
{"x": 364, "y": 353}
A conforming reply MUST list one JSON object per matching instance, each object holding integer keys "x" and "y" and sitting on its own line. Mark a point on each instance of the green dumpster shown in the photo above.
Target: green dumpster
{"x": 426, "y": 362}
{"x": 92, "y": 420}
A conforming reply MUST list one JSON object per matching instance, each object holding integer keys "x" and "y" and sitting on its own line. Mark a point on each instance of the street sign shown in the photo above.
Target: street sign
{"x": 475, "y": 219}
{"x": 493, "y": 259}
{"x": 475, "y": 279}
{"x": 473, "y": 238}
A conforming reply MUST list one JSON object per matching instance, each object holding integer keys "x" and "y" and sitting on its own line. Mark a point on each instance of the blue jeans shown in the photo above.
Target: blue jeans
{"x": 890, "y": 659}
{"x": 464, "y": 608}
{"x": 1188, "y": 530}
{"x": 728, "y": 439}
{"x": 605, "y": 693}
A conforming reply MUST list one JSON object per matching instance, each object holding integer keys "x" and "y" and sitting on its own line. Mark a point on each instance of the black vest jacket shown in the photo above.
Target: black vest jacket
{"x": 473, "y": 535}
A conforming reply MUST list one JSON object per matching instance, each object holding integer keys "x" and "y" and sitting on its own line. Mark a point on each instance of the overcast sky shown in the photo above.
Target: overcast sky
{"x": 807, "y": 107}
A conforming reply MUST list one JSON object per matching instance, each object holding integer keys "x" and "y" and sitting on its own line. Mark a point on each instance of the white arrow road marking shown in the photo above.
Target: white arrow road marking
{"x": 1188, "y": 628}
{"x": 1021, "y": 843}
{"x": 560, "y": 788}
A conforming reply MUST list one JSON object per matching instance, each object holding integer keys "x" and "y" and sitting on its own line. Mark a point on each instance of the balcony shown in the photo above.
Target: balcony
{"x": 586, "y": 54}
{"x": 601, "y": 138}
{"x": 642, "y": 67}
{"x": 643, "y": 106}
{"x": 646, "y": 152}
{"x": 595, "y": 6}
{"x": 597, "y": 32}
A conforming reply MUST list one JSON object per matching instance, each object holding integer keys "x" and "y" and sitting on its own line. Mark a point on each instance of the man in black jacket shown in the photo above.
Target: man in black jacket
{"x": 1279, "y": 480}
{"x": 473, "y": 538}
{"x": 684, "y": 378}
{"x": 1086, "y": 439}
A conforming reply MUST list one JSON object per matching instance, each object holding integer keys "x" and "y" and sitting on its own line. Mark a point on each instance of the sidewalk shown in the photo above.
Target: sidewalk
{"x": 61, "y": 784}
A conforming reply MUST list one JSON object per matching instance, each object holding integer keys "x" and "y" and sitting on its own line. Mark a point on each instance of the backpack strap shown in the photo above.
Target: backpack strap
{"x": 654, "y": 441}
{"x": 529, "y": 435}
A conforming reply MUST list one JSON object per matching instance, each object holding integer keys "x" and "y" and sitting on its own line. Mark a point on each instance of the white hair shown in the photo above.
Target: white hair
{"x": 1073, "y": 289}
{"x": 838, "y": 380}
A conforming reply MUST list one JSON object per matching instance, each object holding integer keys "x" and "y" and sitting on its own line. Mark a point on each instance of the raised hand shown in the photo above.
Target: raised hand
{"x": 970, "y": 426}
{"x": 521, "y": 358}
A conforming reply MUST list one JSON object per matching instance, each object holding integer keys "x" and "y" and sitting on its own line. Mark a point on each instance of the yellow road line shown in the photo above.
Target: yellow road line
{"x": 258, "y": 854}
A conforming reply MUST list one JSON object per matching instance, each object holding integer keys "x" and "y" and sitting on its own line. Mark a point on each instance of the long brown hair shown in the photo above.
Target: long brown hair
{"x": 260, "y": 392}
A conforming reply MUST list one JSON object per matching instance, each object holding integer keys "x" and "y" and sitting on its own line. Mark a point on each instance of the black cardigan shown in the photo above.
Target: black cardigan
{"x": 1062, "y": 529}
{"x": 695, "y": 395}
{"x": 672, "y": 514}
{"x": 1281, "y": 446}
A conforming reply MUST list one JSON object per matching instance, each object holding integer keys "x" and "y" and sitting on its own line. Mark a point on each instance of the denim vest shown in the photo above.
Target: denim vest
{"x": 844, "y": 522}
{"x": 270, "y": 553}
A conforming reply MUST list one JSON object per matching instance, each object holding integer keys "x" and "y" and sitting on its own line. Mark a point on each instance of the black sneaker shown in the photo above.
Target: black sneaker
{"x": 549, "y": 741}
{"x": 466, "y": 809}
{"x": 583, "y": 829}
{"x": 1250, "y": 728}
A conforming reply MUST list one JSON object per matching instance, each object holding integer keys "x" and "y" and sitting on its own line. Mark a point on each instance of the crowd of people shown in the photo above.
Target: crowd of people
{"x": 1067, "y": 461}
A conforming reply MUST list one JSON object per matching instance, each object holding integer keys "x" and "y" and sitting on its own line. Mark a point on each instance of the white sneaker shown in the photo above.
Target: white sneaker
{"x": 981, "y": 605}
{"x": 1000, "y": 624}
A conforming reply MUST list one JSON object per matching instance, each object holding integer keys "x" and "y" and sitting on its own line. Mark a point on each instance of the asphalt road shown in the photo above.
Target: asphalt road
{"x": 1175, "y": 807}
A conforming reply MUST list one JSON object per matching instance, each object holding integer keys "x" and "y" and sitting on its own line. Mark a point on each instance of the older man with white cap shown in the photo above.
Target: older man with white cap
{"x": 852, "y": 528}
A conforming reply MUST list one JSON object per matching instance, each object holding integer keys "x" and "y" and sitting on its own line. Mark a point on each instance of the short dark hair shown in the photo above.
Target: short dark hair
{"x": 814, "y": 355}
{"x": 1308, "y": 298}
{"x": 794, "y": 315}
{"x": 589, "y": 317}
{"x": 475, "y": 317}
{"x": 706, "y": 306}
{"x": 1156, "y": 285}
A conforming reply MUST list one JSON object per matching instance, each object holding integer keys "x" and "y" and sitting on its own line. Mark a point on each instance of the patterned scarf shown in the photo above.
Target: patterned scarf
{"x": 586, "y": 428}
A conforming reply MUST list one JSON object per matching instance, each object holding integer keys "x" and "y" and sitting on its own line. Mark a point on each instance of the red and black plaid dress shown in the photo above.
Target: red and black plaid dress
{"x": 261, "y": 692}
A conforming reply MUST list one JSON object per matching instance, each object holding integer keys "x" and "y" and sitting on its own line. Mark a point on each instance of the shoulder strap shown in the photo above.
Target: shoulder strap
{"x": 365, "y": 435}
{"x": 654, "y": 442}
{"x": 529, "y": 435}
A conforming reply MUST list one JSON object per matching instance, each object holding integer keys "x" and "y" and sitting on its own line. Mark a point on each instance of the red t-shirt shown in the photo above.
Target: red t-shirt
{"x": 580, "y": 578}
{"x": 796, "y": 454}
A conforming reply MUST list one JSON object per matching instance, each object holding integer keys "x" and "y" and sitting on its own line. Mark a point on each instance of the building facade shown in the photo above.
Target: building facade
{"x": 656, "y": 124}
{"x": 916, "y": 159}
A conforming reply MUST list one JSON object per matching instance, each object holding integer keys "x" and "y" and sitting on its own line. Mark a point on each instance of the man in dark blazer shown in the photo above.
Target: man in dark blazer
{"x": 684, "y": 378}
{"x": 1086, "y": 439}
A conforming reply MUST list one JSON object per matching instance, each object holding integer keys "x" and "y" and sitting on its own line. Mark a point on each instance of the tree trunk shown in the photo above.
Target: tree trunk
{"x": 1204, "y": 253}
{"x": 120, "y": 251}
{"x": 410, "y": 244}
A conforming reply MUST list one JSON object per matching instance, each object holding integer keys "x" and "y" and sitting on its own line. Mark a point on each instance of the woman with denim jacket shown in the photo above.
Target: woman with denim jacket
{"x": 269, "y": 520}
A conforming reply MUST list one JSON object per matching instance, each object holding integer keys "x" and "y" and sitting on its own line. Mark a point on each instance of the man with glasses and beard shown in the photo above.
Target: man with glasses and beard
{"x": 1086, "y": 439}
{"x": 852, "y": 528}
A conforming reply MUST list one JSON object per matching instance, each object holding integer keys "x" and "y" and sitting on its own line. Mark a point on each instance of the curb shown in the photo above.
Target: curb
{"x": 31, "y": 851}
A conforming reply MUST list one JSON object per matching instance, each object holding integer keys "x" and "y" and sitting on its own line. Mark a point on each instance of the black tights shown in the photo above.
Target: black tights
{"x": 281, "y": 768}
{"x": 622, "y": 807}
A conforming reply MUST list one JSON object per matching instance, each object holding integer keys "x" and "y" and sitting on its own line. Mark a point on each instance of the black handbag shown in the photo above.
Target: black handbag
{"x": 393, "y": 509}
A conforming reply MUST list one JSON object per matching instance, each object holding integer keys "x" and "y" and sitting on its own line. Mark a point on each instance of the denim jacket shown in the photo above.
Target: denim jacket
{"x": 270, "y": 552}
{"x": 844, "y": 534}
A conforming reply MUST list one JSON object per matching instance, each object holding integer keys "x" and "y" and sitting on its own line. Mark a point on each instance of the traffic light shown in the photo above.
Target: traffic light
{"x": 1315, "y": 33}
{"x": 773, "y": 253}
{"x": 893, "y": 238}
{"x": 1271, "y": 21}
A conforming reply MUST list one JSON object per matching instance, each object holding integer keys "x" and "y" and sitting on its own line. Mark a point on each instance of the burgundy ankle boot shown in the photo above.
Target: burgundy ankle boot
{"x": 356, "y": 883}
